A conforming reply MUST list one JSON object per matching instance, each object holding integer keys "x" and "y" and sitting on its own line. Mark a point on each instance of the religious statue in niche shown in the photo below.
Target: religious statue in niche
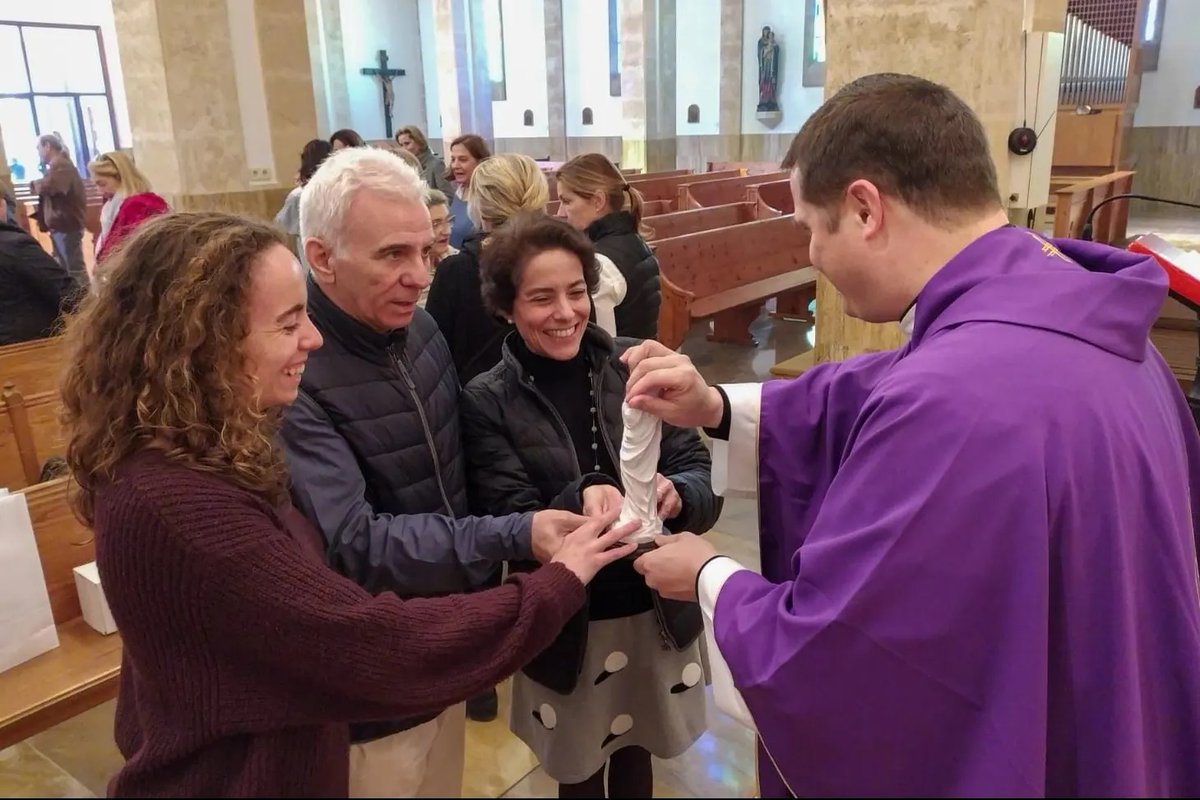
{"x": 768, "y": 78}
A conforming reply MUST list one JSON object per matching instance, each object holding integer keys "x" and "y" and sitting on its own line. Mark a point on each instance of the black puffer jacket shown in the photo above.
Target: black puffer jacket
{"x": 456, "y": 304}
{"x": 520, "y": 457}
{"x": 34, "y": 288}
{"x": 374, "y": 449}
{"x": 616, "y": 236}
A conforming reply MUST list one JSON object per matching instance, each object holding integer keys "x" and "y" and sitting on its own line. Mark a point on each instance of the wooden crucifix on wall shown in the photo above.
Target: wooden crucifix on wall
{"x": 385, "y": 76}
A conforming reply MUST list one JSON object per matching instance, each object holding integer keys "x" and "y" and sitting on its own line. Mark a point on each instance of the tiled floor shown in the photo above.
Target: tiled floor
{"x": 76, "y": 758}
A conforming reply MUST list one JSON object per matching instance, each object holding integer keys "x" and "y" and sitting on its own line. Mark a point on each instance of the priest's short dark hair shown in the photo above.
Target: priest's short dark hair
{"x": 913, "y": 138}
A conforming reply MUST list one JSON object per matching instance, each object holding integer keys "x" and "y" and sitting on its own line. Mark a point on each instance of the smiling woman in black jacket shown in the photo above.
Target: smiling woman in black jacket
{"x": 596, "y": 199}
{"x": 541, "y": 429}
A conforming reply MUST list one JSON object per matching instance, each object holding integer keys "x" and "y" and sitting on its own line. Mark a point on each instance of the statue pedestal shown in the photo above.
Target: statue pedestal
{"x": 769, "y": 118}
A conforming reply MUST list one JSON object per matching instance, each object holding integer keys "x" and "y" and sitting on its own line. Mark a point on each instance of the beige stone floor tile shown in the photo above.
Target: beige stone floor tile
{"x": 24, "y": 772}
{"x": 84, "y": 747}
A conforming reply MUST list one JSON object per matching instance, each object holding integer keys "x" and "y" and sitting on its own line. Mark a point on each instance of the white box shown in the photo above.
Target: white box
{"x": 91, "y": 597}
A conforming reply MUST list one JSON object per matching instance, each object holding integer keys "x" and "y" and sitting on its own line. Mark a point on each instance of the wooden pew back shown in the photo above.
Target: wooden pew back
{"x": 668, "y": 188}
{"x": 679, "y": 223}
{"x": 1073, "y": 203}
{"x": 772, "y": 199}
{"x": 714, "y": 261}
{"x": 33, "y": 366}
{"x": 745, "y": 167}
{"x": 715, "y": 193}
{"x": 63, "y": 543}
{"x": 30, "y": 433}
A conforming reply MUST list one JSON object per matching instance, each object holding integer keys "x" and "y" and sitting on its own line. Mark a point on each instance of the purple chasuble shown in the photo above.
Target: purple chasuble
{"x": 979, "y": 551}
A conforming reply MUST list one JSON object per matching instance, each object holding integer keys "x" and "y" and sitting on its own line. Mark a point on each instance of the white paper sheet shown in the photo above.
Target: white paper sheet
{"x": 26, "y": 624}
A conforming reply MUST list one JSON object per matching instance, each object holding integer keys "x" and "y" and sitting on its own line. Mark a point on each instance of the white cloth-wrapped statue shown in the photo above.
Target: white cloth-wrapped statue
{"x": 640, "y": 446}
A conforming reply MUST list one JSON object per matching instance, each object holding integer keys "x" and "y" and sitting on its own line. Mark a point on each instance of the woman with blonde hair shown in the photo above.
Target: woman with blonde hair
{"x": 245, "y": 655}
{"x": 129, "y": 201}
{"x": 500, "y": 188}
{"x": 594, "y": 197}
{"x": 412, "y": 140}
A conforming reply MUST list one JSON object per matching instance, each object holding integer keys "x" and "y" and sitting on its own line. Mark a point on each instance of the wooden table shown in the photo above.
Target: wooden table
{"x": 81, "y": 673}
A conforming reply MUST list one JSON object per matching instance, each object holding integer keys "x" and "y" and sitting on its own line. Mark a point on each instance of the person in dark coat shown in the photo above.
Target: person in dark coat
{"x": 34, "y": 288}
{"x": 542, "y": 429}
{"x": 596, "y": 199}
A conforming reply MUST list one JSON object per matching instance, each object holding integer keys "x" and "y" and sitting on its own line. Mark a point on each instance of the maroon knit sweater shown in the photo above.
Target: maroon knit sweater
{"x": 246, "y": 656}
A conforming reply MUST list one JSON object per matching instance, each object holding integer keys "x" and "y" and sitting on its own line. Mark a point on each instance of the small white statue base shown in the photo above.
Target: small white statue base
{"x": 640, "y": 446}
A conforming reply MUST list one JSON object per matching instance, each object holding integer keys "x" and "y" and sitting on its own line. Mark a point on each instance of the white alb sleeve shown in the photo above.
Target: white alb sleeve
{"x": 712, "y": 578}
{"x": 735, "y": 462}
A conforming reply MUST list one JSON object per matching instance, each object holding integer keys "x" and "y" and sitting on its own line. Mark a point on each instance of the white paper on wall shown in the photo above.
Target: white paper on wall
{"x": 26, "y": 623}
{"x": 640, "y": 447}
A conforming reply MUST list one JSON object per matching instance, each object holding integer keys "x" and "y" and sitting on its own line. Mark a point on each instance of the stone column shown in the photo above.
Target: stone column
{"x": 184, "y": 104}
{"x": 464, "y": 89}
{"x": 323, "y": 20}
{"x": 730, "y": 126}
{"x": 648, "y": 84}
{"x": 287, "y": 82}
{"x": 972, "y": 46}
{"x": 556, "y": 88}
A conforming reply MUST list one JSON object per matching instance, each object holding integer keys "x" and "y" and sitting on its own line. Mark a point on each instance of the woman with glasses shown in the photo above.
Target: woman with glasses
{"x": 439, "y": 214}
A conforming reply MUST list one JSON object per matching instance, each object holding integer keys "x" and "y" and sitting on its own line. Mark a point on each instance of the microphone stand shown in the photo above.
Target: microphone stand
{"x": 1193, "y": 395}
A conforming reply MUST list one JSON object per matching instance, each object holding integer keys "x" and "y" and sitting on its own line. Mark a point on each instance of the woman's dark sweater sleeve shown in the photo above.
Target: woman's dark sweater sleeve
{"x": 330, "y": 651}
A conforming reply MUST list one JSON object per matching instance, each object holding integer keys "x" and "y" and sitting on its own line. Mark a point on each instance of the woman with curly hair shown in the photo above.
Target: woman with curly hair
{"x": 245, "y": 656}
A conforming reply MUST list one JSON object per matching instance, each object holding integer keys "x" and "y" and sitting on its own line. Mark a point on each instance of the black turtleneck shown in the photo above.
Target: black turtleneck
{"x": 567, "y": 385}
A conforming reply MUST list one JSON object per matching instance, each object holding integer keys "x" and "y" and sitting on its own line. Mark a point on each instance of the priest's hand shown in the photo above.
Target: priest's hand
{"x": 674, "y": 566}
{"x": 666, "y": 384}
{"x": 670, "y": 504}
{"x": 601, "y": 499}
{"x": 551, "y": 527}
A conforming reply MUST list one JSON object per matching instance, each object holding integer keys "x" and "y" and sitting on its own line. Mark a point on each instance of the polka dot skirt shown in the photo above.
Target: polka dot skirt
{"x": 633, "y": 690}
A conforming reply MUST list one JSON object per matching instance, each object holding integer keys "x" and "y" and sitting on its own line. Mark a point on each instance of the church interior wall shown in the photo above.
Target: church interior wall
{"x": 698, "y": 67}
{"x": 369, "y": 26}
{"x": 585, "y": 71}
{"x": 524, "y": 54}
{"x": 84, "y": 12}
{"x": 796, "y": 101}
{"x": 1165, "y": 141}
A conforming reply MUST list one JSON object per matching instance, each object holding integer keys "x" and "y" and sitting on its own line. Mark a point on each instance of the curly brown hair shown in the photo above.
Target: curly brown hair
{"x": 511, "y": 246}
{"x": 156, "y": 358}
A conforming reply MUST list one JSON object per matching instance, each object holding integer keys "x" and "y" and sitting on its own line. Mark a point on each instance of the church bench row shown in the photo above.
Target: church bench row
{"x": 654, "y": 188}
{"x": 713, "y": 193}
{"x": 83, "y": 670}
{"x": 32, "y": 367}
{"x": 727, "y": 273}
{"x": 1074, "y": 202}
{"x": 30, "y": 432}
{"x": 744, "y": 167}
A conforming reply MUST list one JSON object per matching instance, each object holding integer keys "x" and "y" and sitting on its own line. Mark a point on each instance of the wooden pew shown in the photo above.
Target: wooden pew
{"x": 32, "y": 366}
{"x": 679, "y": 223}
{"x": 744, "y": 167}
{"x": 668, "y": 188}
{"x": 83, "y": 671}
{"x": 727, "y": 273}
{"x": 772, "y": 199}
{"x": 1073, "y": 203}
{"x": 30, "y": 433}
{"x": 715, "y": 193}
{"x": 654, "y": 208}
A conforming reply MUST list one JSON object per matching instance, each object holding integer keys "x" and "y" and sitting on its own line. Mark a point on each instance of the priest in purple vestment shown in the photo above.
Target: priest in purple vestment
{"x": 979, "y": 569}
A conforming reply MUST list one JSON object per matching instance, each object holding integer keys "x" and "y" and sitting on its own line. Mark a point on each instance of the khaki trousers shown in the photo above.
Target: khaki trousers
{"x": 425, "y": 761}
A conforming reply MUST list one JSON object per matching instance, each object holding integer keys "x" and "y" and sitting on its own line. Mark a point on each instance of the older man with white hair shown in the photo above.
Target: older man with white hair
{"x": 373, "y": 440}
